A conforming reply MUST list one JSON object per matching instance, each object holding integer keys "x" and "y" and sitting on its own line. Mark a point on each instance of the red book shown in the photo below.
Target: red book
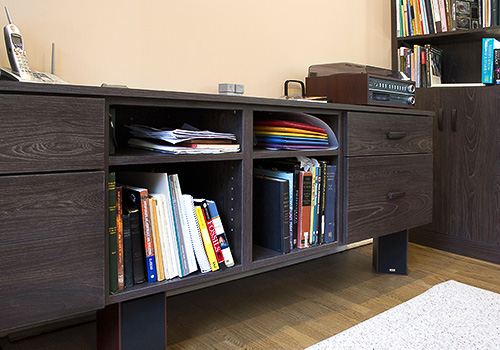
{"x": 304, "y": 209}
{"x": 213, "y": 234}
{"x": 287, "y": 123}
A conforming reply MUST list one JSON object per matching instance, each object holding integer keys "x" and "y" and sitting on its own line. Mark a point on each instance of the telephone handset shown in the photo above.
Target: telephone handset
{"x": 18, "y": 60}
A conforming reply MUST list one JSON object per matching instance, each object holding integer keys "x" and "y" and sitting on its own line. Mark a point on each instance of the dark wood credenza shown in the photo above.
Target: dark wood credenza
{"x": 54, "y": 163}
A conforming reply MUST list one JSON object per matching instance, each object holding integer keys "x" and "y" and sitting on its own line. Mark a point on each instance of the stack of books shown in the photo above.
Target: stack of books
{"x": 185, "y": 140}
{"x": 157, "y": 233}
{"x": 286, "y": 134}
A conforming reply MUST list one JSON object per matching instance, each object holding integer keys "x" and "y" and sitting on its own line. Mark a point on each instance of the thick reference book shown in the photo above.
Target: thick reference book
{"x": 212, "y": 233}
{"x": 330, "y": 204}
{"x": 137, "y": 197}
{"x": 489, "y": 46}
{"x": 113, "y": 241}
{"x": 433, "y": 62}
{"x": 292, "y": 167}
{"x": 127, "y": 251}
{"x": 137, "y": 245}
{"x": 271, "y": 213}
{"x": 285, "y": 176}
{"x": 221, "y": 233}
{"x": 304, "y": 209}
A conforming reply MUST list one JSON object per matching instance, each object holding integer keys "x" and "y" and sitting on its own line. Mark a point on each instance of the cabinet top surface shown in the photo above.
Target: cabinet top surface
{"x": 116, "y": 94}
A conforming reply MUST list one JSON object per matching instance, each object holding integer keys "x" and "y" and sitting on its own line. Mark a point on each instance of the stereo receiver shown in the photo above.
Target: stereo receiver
{"x": 363, "y": 89}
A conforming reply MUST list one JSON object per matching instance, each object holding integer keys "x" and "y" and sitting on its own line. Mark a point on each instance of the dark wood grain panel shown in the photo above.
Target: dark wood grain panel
{"x": 474, "y": 174}
{"x": 378, "y": 134}
{"x": 46, "y": 133}
{"x": 52, "y": 251}
{"x": 371, "y": 181}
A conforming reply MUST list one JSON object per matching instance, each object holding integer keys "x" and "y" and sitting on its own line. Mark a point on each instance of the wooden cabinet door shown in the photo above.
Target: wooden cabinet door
{"x": 52, "y": 246}
{"x": 474, "y": 164}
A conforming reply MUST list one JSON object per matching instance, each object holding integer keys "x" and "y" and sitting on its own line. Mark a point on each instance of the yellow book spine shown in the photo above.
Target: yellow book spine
{"x": 160, "y": 269}
{"x": 207, "y": 243}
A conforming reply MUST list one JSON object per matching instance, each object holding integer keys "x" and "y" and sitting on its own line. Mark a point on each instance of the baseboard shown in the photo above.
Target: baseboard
{"x": 471, "y": 249}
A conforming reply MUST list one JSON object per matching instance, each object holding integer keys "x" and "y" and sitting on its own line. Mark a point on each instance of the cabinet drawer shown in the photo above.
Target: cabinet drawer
{"x": 52, "y": 250}
{"x": 370, "y": 134}
{"x": 387, "y": 194}
{"x": 48, "y": 133}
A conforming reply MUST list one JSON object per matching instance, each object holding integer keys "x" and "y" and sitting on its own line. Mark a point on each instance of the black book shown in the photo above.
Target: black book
{"x": 496, "y": 66}
{"x": 137, "y": 240}
{"x": 271, "y": 213}
{"x": 294, "y": 168}
{"x": 127, "y": 252}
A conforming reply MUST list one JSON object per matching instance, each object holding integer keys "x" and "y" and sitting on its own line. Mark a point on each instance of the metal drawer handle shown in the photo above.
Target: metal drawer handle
{"x": 395, "y": 135}
{"x": 396, "y": 195}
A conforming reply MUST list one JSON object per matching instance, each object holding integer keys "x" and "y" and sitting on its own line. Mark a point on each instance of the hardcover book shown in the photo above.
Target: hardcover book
{"x": 304, "y": 213}
{"x": 137, "y": 197}
{"x": 271, "y": 213}
{"x": 330, "y": 204}
{"x": 137, "y": 245}
{"x": 113, "y": 241}
{"x": 119, "y": 238}
{"x": 128, "y": 271}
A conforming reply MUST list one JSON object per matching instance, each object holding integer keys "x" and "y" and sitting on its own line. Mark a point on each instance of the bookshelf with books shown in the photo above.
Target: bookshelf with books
{"x": 461, "y": 110}
{"x": 99, "y": 120}
{"x": 461, "y": 48}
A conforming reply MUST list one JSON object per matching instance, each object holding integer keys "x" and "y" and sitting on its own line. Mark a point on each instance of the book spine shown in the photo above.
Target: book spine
{"x": 119, "y": 237}
{"x": 437, "y": 16}
{"x": 136, "y": 234}
{"x": 178, "y": 229}
{"x": 148, "y": 237}
{"x": 314, "y": 197}
{"x": 221, "y": 233}
{"x": 155, "y": 229}
{"x": 322, "y": 203}
{"x": 305, "y": 183}
{"x": 127, "y": 252}
{"x": 442, "y": 12}
{"x": 487, "y": 61}
{"x": 496, "y": 66}
{"x": 213, "y": 234}
{"x": 113, "y": 241}
{"x": 330, "y": 203}
{"x": 207, "y": 243}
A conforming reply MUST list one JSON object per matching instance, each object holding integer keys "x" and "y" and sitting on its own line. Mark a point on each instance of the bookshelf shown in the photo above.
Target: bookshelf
{"x": 465, "y": 128}
{"x": 461, "y": 61}
{"x": 55, "y": 163}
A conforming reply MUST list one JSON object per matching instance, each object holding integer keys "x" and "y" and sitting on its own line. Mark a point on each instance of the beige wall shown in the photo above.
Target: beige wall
{"x": 192, "y": 45}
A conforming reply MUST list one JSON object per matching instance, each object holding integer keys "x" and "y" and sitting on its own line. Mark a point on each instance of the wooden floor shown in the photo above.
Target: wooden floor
{"x": 293, "y": 307}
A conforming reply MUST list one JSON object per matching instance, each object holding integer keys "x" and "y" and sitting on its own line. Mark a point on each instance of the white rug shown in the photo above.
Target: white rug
{"x": 450, "y": 315}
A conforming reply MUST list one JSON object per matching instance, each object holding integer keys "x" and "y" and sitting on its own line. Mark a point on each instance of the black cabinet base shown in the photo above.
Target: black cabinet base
{"x": 134, "y": 324}
{"x": 390, "y": 253}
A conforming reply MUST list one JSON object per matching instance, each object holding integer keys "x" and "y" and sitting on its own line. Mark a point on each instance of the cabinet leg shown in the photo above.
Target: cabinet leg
{"x": 134, "y": 324}
{"x": 390, "y": 253}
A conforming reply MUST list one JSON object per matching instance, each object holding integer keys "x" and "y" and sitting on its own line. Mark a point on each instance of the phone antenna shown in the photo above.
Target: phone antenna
{"x": 8, "y": 15}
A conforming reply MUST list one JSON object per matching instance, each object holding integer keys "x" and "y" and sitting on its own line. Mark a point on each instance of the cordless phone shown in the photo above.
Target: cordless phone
{"x": 19, "y": 67}
{"x": 15, "y": 50}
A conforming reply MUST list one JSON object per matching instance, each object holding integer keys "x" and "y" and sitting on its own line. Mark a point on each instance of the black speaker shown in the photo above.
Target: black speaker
{"x": 390, "y": 253}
